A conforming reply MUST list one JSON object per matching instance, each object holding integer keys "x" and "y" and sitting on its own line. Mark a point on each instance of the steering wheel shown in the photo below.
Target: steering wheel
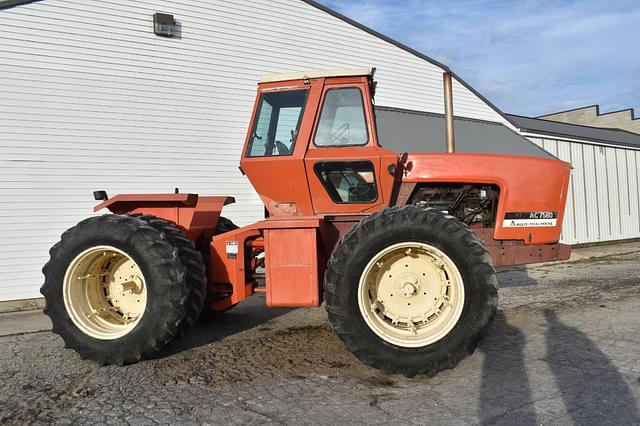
{"x": 360, "y": 188}
{"x": 339, "y": 134}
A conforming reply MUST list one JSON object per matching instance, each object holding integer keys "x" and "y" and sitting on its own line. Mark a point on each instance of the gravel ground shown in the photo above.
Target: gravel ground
{"x": 565, "y": 348}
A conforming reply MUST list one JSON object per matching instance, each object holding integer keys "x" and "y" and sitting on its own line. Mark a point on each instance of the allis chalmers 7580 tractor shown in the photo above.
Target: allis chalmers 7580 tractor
{"x": 400, "y": 246}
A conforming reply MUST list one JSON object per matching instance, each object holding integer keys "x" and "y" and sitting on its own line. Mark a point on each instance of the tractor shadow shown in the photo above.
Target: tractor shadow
{"x": 249, "y": 314}
{"x": 505, "y": 392}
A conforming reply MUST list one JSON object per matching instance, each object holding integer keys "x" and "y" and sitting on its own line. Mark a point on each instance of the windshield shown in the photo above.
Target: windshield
{"x": 277, "y": 123}
{"x": 342, "y": 121}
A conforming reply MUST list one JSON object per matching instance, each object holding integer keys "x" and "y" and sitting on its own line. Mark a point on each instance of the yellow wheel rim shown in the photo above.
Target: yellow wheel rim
{"x": 104, "y": 292}
{"x": 411, "y": 294}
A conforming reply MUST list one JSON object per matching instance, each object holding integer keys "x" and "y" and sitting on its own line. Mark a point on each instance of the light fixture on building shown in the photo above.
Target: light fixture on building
{"x": 164, "y": 25}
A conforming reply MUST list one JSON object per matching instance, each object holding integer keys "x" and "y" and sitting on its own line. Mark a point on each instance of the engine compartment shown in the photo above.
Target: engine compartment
{"x": 473, "y": 204}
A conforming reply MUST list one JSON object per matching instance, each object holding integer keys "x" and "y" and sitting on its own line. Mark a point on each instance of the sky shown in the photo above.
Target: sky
{"x": 528, "y": 57}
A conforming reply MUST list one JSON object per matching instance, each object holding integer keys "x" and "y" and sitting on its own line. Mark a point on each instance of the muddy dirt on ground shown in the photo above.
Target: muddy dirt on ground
{"x": 308, "y": 349}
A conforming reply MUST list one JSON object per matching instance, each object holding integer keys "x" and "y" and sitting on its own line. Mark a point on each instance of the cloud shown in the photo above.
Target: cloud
{"x": 529, "y": 57}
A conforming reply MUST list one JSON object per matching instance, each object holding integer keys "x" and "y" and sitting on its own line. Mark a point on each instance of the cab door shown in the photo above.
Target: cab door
{"x": 348, "y": 171}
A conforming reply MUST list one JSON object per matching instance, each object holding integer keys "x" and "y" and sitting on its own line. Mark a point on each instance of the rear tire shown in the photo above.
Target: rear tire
{"x": 115, "y": 289}
{"x": 191, "y": 258}
{"x": 410, "y": 291}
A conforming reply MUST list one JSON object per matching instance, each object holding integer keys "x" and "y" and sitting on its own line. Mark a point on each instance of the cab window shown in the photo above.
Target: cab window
{"x": 348, "y": 182}
{"x": 342, "y": 120}
{"x": 277, "y": 123}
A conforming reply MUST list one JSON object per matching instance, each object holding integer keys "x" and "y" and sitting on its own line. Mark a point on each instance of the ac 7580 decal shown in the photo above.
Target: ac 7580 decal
{"x": 530, "y": 219}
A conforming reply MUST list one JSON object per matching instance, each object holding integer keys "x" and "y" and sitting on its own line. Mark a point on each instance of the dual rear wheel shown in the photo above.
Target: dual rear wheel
{"x": 119, "y": 288}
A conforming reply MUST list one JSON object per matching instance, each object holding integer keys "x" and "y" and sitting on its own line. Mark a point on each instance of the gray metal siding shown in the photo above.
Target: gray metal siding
{"x": 415, "y": 131}
{"x": 604, "y": 195}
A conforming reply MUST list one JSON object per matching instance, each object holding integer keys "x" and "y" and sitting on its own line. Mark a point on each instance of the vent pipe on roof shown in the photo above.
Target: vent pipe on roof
{"x": 448, "y": 112}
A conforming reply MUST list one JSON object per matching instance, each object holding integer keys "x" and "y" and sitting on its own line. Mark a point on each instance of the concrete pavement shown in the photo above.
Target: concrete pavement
{"x": 23, "y": 322}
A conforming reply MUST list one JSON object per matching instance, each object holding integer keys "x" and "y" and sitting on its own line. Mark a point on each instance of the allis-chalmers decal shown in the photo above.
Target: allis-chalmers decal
{"x": 530, "y": 219}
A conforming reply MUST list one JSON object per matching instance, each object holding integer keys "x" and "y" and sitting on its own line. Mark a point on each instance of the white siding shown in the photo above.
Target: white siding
{"x": 604, "y": 195}
{"x": 92, "y": 99}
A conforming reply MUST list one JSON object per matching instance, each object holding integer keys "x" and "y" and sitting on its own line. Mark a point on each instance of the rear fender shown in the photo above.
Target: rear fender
{"x": 193, "y": 213}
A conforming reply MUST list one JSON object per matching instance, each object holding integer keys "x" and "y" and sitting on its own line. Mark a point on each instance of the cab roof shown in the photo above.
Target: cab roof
{"x": 303, "y": 75}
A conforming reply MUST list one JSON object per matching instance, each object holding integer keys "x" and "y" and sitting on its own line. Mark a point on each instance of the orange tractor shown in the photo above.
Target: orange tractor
{"x": 400, "y": 246}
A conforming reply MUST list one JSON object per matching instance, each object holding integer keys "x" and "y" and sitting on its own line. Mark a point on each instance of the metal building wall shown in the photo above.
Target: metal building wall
{"x": 603, "y": 203}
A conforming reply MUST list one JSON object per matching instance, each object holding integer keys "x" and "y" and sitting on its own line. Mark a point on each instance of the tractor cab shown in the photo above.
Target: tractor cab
{"x": 312, "y": 146}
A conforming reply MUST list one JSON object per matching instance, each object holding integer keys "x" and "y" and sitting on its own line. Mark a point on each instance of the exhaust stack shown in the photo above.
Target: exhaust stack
{"x": 448, "y": 112}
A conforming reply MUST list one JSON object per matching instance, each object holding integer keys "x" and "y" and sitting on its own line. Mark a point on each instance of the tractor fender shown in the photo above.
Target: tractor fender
{"x": 193, "y": 213}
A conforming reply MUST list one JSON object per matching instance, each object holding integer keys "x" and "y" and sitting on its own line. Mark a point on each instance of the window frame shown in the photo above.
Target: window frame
{"x": 256, "y": 118}
{"x": 347, "y": 161}
{"x": 321, "y": 110}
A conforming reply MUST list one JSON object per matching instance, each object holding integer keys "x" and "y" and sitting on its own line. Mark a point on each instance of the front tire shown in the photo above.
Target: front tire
{"x": 410, "y": 290}
{"x": 115, "y": 289}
